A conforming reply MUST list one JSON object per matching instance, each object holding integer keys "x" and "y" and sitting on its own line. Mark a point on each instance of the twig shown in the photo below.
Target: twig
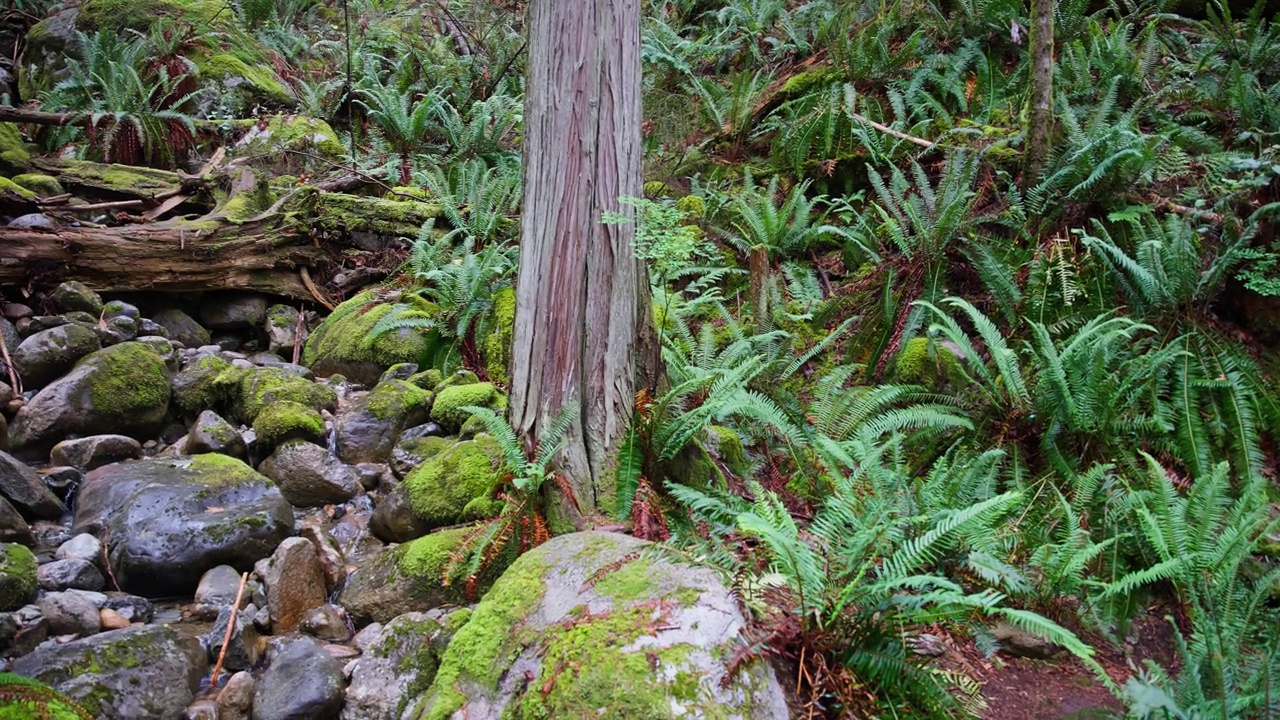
{"x": 95, "y": 206}
{"x": 1171, "y": 206}
{"x": 231, "y": 625}
{"x": 890, "y": 131}
{"x": 315, "y": 291}
{"x": 14, "y": 379}
{"x": 297, "y": 336}
{"x": 106, "y": 561}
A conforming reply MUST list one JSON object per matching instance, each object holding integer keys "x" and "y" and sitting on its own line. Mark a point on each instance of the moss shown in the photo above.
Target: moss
{"x": 116, "y": 177}
{"x": 9, "y": 186}
{"x": 803, "y": 82}
{"x": 426, "y": 557}
{"x": 242, "y": 207}
{"x": 281, "y": 132}
{"x": 497, "y": 345}
{"x": 462, "y": 377}
{"x": 921, "y": 362}
{"x": 692, "y": 206}
{"x": 427, "y": 379}
{"x": 41, "y": 185}
{"x": 441, "y": 489}
{"x": 17, "y": 576}
{"x": 396, "y": 399}
{"x": 338, "y": 211}
{"x": 287, "y": 420}
{"x": 13, "y": 153}
{"x": 127, "y": 380}
{"x": 264, "y": 386}
{"x": 449, "y": 402}
{"x": 346, "y": 335}
{"x": 218, "y": 471}
{"x": 26, "y": 699}
{"x": 482, "y": 650}
{"x": 407, "y": 194}
{"x": 140, "y": 15}
{"x": 725, "y": 445}
{"x": 209, "y": 383}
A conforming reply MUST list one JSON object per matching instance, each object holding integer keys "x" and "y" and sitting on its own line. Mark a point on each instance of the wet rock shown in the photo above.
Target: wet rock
{"x": 69, "y": 613}
{"x": 286, "y": 420}
{"x": 73, "y": 574}
{"x": 172, "y": 519}
{"x": 309, "y": 475}
{"x": 47, "y": 355}
{"x": 150, "y": 328}
{"x": 212, "y": 434}
{"x": 115, "y": 330}
{"x": 457, "y": 484}
{"x": 531, "y": 625}
{"x": 122, "y": 389}
{"x": 63, "y": 481}
{"x": 143, "y": 671}
{"x": 332, "y": 562}
{"x": 120, "y": 308}
{"x": 242, "y": 650}
{"x": 394, "y": 521}
{"x": 338, "y": 345}
{"x": 203, "y": 709}
{"x": 89, "y": 453}
{"x": 182, "y": 327}
{"x": 402, "y": 658}
{"x": 217, "y": 589}
{"x": 235, "y": 701}
{"x": 33, "y": 630}
{"x": 399, "y": 371}
{"x": 24, "y": 489}
{"x": 301, "y": 681}
{"x": 295, "y": 584}
{"x": 367, "y": 429}
{"x": 413, "y": 450}
{"x": 33, "y": 221}
{"x": 132, "y": 607}
{"x": 13, "y": 529}
{"x": 17, "y": 576}
{"x": 282, "y": 329}
{"x": 73, "y": 295}
{"x": 326, "y": 622}
{"x": 112, "y": 619}
{"x": 367, "y": 636}
{"x": 81, "y": 547}
{"x": 233, "y": 311}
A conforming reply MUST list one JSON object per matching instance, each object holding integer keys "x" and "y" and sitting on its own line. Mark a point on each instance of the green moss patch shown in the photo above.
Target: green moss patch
{"x": 442, "y": 489}
{"x": 287, "y": 420}
{"x": 264, "y": 386}
{"x": 396, "y": 399}
{"x": 41, "y": 185}
{"x": 13, "y": 153}
{"x": 209, "y": 383}
{"x": 10, "y": 187}
{"x": 128, "y": 379}
{"x": 347, "y": 336}
{"x": 17, "y": 576}
{"x": 497, "y": 345}
{"x": 449, "y": 402}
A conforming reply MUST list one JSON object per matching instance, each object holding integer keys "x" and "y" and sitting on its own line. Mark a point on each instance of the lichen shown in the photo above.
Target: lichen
{"x": 394, "y": 399}
{"x": 17, "y": 576}
{"x": 127, "y": 380}
{"x": 287, "y": 420}
{"x": 442, "y": 489}
{"x": 497, "y": 345}
{"x": 41, "y": 185}
{"x": 447, "y": 409}
{"x": 9, "y": 186}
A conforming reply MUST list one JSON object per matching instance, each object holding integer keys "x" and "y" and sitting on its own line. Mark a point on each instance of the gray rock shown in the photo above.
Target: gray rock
{"x": 98, "y": 599}
{"x": 217, "y": 589}
{"x": 301, "y": 681}
{"x": 24, "y": 489}
{"x": 117, "y": 329}
{"x": 33, "y": 221}
{"x": 70, "y": 574}
{"x": 172, "y": 519}
{"x": 409, "y": 578}
{"x": 368, "y": 428}
{"x": 143, "y": 671}
{"x": 151, "y": 328}
{"x": 90, "y": 453}
{"x": 367, "y": 636}
{"x": 394, "y": 521}
{"x": 203, "y": 709}
{"x": 282, "y": 329}
{"x": 399, "y": 371}
{"x": 333, "y": 564}
{"x": 63, "y": 481}
{"x": 326, "y": 622}
{"x": 242, "y": 650}
{"x": 413, "y": 450}
{"x": 372, "y": 474}
{"x": 81, "y": 547}
{"x": 533, "y": 653}
{"x": 13, "y": 529}
{"x": 233, "y": 311}
{"x": 1020, "y": 643}
{"x": 120, "y": 308}
{"x": 33, "y": 630}
{"x": 182, "y": 327}
{"x": 295, "y": 584}
{"x": 69, "y": 613}
{"x": 310, "y": 475}
{"x": 132, "y": 607}
{"x": 235, "y": 701}
{"x": 121, "y": 389}
{"x": 212, "y": 434}
{"x": 47, "y": 355}
{"x": 73, "y": 295}
{"x": 404, "y": 655}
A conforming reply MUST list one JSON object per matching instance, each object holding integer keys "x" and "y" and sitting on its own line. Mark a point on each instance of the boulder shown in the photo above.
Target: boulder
{"x": 143, "y": 671}
{"x": 588, "y": 625}
{"x": 447, "y": 409}
{"x": 326, "y": 622}
{"x": 233, "y": 311}
{"x": 287, "y": 420}
{"x": 217, "y": 589}
{"x": 70, "y": 574}
{"x": 81, "y": 547}
{"x": 13, "y": 529}
{"x": 242, "y": 648}
{"x": 309, "y": 475}
{"x": 73, "y": 295}
{"x": 415, "y": 446}
{"x": 263, "y": 386}
{"x": 393, "y": 519}
{"x": 236, "y": 699}
{"x": 399, "y": 664}
{"x": 367, "y": 430}
{"x": 210, "y": 433}
{"x": 24, "y": 489}
{"x": 345, "y": 343}
{"x": 17, "y": 576}
{"x": 457, "y": 484}
{"x": 70, "y": 613}
{"x": 121, "y": 389}
{"x": 301, "y": 681}
{"x": 295, "y": 584}
{"x": 282, "y": 329}
{"x": 169, "y": 520}
{"x": 182, "y": 327}
{"x": 90, "y": 453}
{"x": 47, "y": 355}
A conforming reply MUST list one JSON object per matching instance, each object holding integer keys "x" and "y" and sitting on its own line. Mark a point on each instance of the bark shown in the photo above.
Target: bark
{"x": 1040, "y": 117}
{"x": 580, "y": 293}
{"x": 758, "y": 289}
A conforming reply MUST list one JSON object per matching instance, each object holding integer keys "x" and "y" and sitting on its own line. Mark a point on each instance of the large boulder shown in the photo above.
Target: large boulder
{"x": 450, "y": 401}
{"x": 88, "y": 453}
{"x": 144, "y": 671}
{"x": 46, "y": 355}
{"x": 263, "y": 386}
{"x": 457, "y": 484}
{"x": 295, "y": 583}
{"x": 233, "y": 311}
{"x": 122, "y": 389}
{"x": 400, "y": 664}
{"x": 367, "y": 431}
{"x": 182, "y": 327}
{"x": 310, "y": 475}
{"x": 287, "y": 420}
{"x": 346, "y": 342}
{"x": 14, "y": 528}
{"x": 586, "y": 625}
{"x": 169, "y": 520}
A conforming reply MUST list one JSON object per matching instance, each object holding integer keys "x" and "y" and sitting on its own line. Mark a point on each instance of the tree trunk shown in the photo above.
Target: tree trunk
{"x": 580, "y": 293}
{"x": 1040, "y": 117}
{"x": 758, "y": 289}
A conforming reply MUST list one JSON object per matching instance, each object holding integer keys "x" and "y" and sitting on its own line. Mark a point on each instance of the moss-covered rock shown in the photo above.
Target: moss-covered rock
{"x": 497, "y": 345}
{"x": 427, "y": 379}
{"x": 401, "y": 663}
{"x": 8, "y": 186}
{"x": 287, "y": 143}
{"x": 261, "y": 387}
{"x": 924, "y": 362}
{"x": 457, "y": 484}
{"x": 26, "y": 699}
{"x": 367, "y": 430}
{"x": 42, "y": 185}
{"x": 447, "y": 409}
{"x": 14, "y": 154}
{"x": 208, "y": 383}
{"x": 705, "y": 460}
{"x": 287, "y": 420}
{"x": 602, "y": 630}
{"x": 17, "y": 576}
{"x": 346, "y": 342}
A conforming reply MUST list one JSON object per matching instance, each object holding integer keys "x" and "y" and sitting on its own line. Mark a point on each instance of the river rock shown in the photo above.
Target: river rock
{"x": 17, "y": 576}
{"x": 89, "y": 453}
{"x": 242, "y": 650}
{"x": 233, "y": 311}
{"x": 558, "y": 637}
{"x": 132, "y": 607}
{"x": 117, "y": 329}
{"x": 81, "y": 547}
{"x": 282, "y": 329}
{"x": 210, "y": 433}
{"x": 301, "y": 681}
{"x": 217, "y": 589}
{"x": 73, "y": 574}
{"x": 33, "y": 221}
{"x": 368, "y": 428}
{"x": 120, "y": 308}
{"x": 235, "y": 701}
{"x": 182, "y": 327}
{"x": 393, "y": 519}
{"x": 333, "y": 564}
{"x": 62, "y": 481}
{"x": 457, "y": 484}
{"x": 286, "y": 420}
{"x": 295, "y": 583}
{"x": 122, "y": 389}
{"x": 171, "y": 519}
{"x": 73, "y": 295}
{"x": 144, "y": 671}
{"x": 13, "y": 529}
{"x": 449, "y": 401}
{"x": 47, "y": 355}
{"x": 112, "y": 619}
{"x": 69, "y": 613}
{"x": 309, "y": 475}
{"x": 326, "y": 622}
{"x": 404, "y": 656}
{"x": 1017, "y": 642}
{"x": 24, "y": 489}
{"x": 416, "y": 446}
{"x": 341, "y": 344}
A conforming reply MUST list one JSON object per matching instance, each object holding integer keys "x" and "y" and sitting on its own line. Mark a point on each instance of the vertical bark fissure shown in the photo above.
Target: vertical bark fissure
{"x": 1040, "y": 117}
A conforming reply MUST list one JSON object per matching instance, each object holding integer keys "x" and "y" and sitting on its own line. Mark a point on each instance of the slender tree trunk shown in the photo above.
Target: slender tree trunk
{"x": 580, "y": 294}
{"x": 1040, "y": 118}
